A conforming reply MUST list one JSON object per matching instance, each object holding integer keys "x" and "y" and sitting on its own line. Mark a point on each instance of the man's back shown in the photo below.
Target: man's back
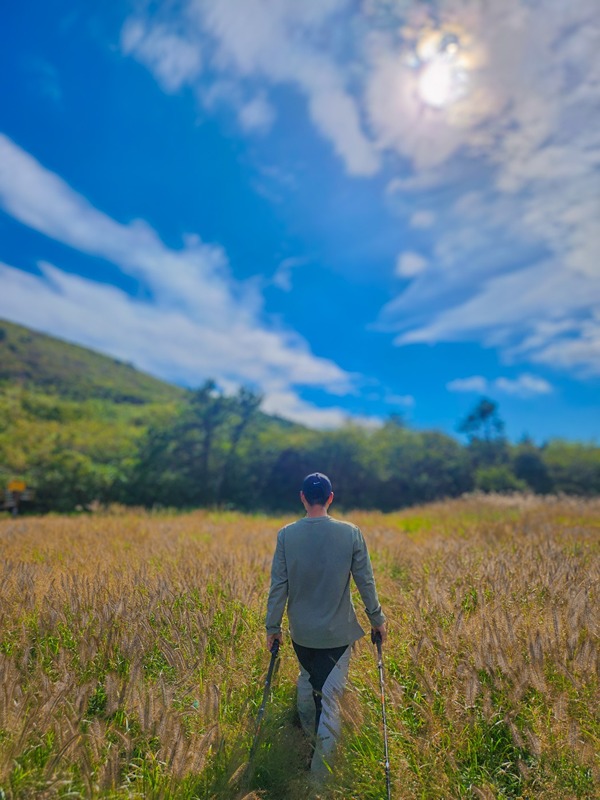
{"x": 314, "y": 560}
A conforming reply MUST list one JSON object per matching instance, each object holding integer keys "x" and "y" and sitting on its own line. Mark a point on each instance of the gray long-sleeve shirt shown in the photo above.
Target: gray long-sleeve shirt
{"x": 313, "y": 562}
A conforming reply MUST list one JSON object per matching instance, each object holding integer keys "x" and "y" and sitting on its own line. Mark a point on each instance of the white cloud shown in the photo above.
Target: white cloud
{"x": 275, "y": 43}
{"x": 283, "y": 276}
{"x": 45, "y": 77}
{"x": 405, "y": 400}
{"x": 254, "y": 115}
{"x": 573, "y": 344}
{"x": 257, "y": 115}
{"x": 172, "y": 58}
{"x": 196, "y": 276}
{"x": 524, "y": 386}
{"x": 474, "y": 384}
{"x": 410, "y": 264}
{"x": 290, "y": 406}
{"x": 536, "y": 313}
{"x": 542, "y": 311}
{"x": 422, "y": 219}
{"x": 200, "y": 323}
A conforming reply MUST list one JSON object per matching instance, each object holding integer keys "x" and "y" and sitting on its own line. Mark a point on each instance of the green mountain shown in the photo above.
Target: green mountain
{"x": 77, "y": 426}
{"x": 53, "y": 366}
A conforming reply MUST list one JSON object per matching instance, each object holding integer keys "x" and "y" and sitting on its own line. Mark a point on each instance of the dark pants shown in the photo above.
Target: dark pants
{"x": 323, "y": 674}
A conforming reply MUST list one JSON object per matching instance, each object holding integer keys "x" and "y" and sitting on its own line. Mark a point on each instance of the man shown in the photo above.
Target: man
{"x": 311, "y": 570}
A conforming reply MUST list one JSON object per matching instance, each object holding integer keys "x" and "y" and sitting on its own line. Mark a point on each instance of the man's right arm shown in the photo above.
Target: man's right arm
{"x": 278, "y": 592}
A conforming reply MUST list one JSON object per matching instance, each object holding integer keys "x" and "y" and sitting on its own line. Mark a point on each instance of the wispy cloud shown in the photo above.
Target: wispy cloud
{"x": 173, "y": 58}
{"x": 525, "y": 386}
{"x": 410, "y": 264}
{"x": 473, "y": 384}
{"x": 513, "y": 183}
{"x": 276, "y": 43}
{"x": 284, "y": 273}
{"x": 544, "y": 313}
{"x": 45, "y": 75}
{"x": 503, "y": 177}
{"x": 257, "y": 114}
{"x": 199, "y": 322}
{"x": 422, "y": 219}
{"x": 289, "y": 405}
{"x": 404, "y": 400}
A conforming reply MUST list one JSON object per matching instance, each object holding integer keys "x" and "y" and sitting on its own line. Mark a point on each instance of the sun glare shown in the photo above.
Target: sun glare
{"x": 442, "y": 69}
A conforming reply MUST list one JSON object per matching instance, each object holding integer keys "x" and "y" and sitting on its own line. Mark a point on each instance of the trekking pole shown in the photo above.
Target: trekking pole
{"x": 261, "y": 711}
{"x": 376, "y": 639}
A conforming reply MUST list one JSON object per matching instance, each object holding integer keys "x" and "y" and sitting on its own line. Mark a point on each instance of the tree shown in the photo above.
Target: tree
{"x": 208, "y": 411}
{"x": 484, "y": 429}
{"x": 188, "y": 460}
{"x": 248, "y": 404}
{"x": 529, "y": 466}
{"x": 573, "y": 467}
{"x": 65, "y": 480}
{"x": 498, "y": 479}
{"x": 483, "y": 421}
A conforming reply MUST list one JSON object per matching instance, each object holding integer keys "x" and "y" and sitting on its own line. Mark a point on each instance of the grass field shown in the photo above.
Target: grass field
{"x": 132, "y": 657}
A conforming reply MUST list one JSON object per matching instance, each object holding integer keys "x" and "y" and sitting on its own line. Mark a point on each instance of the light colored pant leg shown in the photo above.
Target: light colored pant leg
{"x": 306, "y": 703}
{"x": 330, "y": 721}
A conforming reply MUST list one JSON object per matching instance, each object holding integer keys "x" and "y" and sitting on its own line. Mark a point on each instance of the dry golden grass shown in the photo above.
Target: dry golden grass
{"x": 132, "y": 657}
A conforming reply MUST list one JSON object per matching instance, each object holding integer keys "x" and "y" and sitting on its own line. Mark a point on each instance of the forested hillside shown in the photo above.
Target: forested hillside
{"x": 33, "y": 359}
{"x": 80, "y": 428}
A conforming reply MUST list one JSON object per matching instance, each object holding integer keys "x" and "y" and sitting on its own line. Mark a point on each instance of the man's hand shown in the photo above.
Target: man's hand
{"x": 381, "y": 629}
{"x": 271, "y": 637}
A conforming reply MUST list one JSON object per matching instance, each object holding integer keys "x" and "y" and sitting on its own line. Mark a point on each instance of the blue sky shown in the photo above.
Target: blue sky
{"x": 357, "y": 208}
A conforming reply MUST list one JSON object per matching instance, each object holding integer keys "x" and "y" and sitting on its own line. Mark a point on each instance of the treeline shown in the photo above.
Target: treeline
{"x": 209, "y": 449}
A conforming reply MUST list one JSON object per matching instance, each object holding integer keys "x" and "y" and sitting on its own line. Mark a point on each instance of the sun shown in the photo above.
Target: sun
{"x": 443, "y": 69}
{"x": 436, "y": 84}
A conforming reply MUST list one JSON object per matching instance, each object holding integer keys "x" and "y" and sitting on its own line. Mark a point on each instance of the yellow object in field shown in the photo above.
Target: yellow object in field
{"x": 16, "y": 486}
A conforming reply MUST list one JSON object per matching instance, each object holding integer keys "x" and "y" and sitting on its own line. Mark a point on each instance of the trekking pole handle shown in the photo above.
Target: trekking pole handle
{"x": 274, "y": 652}
{"x": 377, "y": 639}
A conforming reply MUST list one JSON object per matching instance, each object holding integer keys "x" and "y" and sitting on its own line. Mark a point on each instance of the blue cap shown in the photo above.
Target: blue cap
{"x": 316, "y": 487}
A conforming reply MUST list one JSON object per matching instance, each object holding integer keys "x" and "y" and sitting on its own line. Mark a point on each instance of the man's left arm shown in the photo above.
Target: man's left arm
{"x": 362, "y": 572}
{"x": 278, "y": 593}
